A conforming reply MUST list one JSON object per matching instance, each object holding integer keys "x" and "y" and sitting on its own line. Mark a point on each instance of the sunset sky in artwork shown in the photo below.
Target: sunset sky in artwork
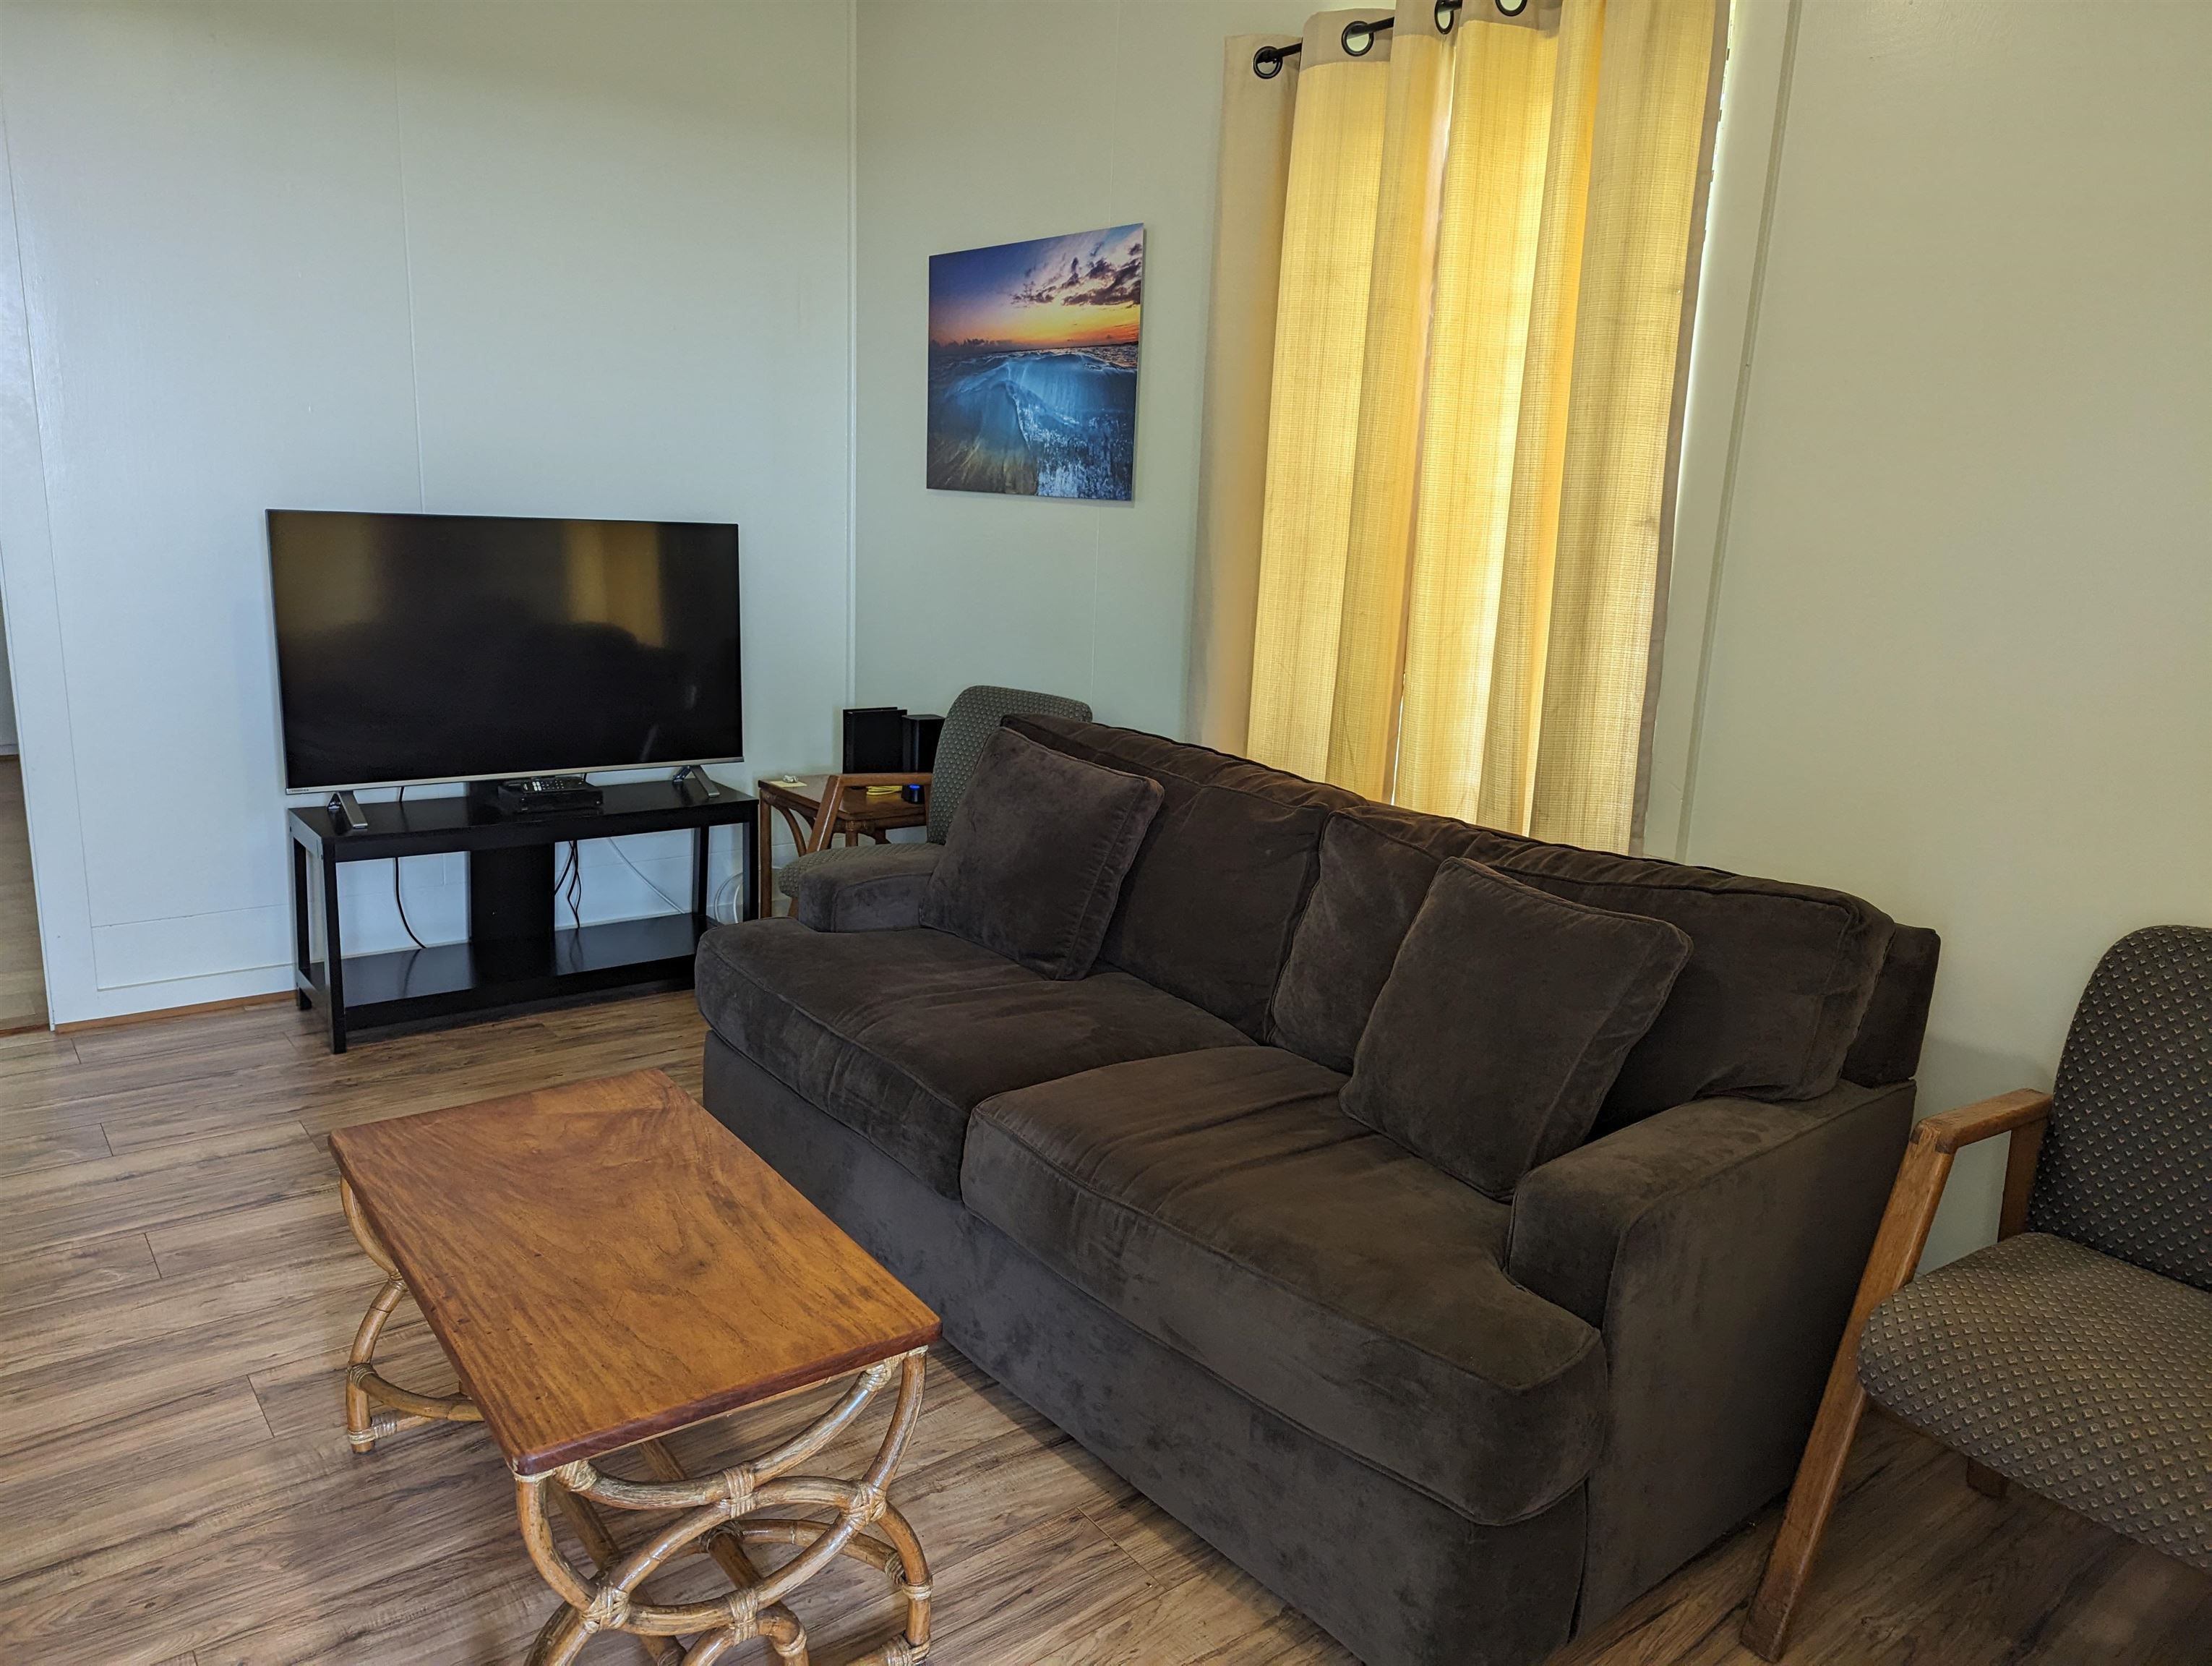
{"x": 1078, "y": 291}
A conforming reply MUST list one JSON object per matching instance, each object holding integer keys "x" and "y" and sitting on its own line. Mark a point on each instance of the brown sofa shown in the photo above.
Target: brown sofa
{"x": 1449, "y": 1428}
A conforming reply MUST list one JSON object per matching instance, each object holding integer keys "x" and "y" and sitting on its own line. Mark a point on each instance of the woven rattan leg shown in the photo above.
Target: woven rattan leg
{"x": 719, "y": 1516}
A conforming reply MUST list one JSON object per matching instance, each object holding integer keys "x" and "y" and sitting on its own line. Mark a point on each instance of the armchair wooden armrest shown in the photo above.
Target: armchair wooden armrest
{"x": 833, "y": 795}
{"x": 1896, "y": 1255}
{"x": 1950, "y": 1129}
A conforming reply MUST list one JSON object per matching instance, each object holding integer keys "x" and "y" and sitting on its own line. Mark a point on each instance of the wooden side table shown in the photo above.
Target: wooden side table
{"x": 798, "y": 799}
{"x": 603, "y": 1263}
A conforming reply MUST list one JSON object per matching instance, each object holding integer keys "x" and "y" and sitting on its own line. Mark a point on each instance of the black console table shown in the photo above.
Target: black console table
{"x": 517, "y": 956}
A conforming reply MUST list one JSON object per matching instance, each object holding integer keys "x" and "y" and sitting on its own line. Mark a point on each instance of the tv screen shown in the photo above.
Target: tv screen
{"x": 443, "y": 647}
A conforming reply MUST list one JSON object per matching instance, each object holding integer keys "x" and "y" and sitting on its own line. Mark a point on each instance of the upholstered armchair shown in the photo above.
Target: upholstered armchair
{"x": 2074, "y": 1356}
{"x": 975, "y": 713}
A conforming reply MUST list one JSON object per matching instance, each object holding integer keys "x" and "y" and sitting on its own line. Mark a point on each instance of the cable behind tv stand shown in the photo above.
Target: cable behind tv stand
{"x": 517, "y": 956}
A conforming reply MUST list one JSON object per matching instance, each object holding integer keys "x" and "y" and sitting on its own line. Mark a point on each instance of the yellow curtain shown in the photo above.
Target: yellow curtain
{"x": 1321, "y": 328}
{"x": 1474, "y": 410}
{"x": 1240, "y": 345}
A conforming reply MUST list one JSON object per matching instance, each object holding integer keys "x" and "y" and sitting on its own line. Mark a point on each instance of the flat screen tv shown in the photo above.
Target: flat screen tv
{"x": 420, "y": 647}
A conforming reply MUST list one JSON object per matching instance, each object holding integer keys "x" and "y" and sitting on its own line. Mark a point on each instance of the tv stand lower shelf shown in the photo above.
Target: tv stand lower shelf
{"x": 516, "y": 957}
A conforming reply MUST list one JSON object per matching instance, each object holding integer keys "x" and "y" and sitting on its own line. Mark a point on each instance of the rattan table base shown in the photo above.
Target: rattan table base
{"x": 719, "y": 1516}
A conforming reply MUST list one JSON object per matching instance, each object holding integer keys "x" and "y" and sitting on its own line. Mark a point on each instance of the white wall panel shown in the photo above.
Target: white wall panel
{"x": 210, "y": 226}
{"x": 586, "y": 259}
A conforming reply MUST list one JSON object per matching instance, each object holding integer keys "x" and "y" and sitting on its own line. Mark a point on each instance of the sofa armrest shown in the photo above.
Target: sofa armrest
{"x": 1577, "y": 1218}
{"x": 1717, "y": 1246}
{"x": 879, "y": 888}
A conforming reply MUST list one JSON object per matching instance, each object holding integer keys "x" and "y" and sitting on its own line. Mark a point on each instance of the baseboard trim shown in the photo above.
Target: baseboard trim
{"x": 196, "y": 1009}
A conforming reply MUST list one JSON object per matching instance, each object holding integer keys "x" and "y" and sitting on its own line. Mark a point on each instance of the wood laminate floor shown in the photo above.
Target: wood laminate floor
{"x": 22, "y": 984}
{"x": 178, "y": 1291}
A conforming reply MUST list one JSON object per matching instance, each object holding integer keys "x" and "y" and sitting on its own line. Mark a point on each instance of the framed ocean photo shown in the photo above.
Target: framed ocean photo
{"x": 1033, "y": 366}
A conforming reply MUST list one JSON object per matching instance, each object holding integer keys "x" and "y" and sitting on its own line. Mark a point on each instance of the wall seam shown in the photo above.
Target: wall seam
{"x": 852, "y": 351}
{"x": 1712, "y": 629}
{"x": 407, "y": 264}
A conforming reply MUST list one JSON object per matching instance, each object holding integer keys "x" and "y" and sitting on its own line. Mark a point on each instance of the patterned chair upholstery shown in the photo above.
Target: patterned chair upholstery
{"x": 2076, "y": 1357}
{"x": 975, "y": 713}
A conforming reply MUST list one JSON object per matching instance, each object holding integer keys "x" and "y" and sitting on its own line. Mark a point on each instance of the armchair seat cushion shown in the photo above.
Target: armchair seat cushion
{"x": 2080, "y": 1377}
{"x": 899, "y": 1034}
{"x": 1220, "y": 1202}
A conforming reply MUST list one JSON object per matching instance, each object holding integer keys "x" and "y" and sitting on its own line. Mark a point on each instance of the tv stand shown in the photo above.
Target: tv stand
{"x": 517, "y": 956}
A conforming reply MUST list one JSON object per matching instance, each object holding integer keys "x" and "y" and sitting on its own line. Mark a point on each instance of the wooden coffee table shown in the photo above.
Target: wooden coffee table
{"x": 605, "y": 1263}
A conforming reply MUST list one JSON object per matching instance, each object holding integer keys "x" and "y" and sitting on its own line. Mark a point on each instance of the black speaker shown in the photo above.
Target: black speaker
{"x": 919, "y": 753}
{"x": 875, "y": 739}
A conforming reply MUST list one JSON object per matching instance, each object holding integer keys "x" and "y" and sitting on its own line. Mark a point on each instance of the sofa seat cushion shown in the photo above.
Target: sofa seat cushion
{"x": 2080, "y": 1377}
{"x": 899, "y": 1034}
{"x": 1222, "y": 1203}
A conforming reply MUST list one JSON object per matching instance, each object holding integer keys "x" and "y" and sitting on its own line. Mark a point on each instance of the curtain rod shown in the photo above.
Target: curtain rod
{"x": 1359, "y": 34}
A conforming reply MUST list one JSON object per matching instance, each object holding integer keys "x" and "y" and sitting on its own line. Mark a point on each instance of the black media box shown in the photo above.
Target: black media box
{"x": 919, "y": 755}
{"x": 538, "y": 796}
{"x": 875, "y": 739}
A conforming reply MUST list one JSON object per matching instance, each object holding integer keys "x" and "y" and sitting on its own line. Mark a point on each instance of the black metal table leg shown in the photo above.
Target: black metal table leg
{"x": 333, "y": 957}
{"x": 302, "y": 937}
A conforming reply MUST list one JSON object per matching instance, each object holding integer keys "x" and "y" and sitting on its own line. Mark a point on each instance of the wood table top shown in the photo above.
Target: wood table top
{"x": 886, "y": 810}
{"x": 605, "y": 1262}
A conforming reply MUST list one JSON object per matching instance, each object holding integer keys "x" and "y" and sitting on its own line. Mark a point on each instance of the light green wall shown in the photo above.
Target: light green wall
{"x": 993, "y": 123}
{"x": 1962, "y": 655}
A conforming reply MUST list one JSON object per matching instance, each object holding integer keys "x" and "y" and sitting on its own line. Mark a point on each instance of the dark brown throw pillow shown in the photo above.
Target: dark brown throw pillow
{"x": 1035, "y": 855}
{"x": 1505, "y": 1017}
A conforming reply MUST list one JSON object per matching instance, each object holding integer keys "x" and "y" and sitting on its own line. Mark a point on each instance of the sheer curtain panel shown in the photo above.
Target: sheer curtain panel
{"x": 1443, "y": 540}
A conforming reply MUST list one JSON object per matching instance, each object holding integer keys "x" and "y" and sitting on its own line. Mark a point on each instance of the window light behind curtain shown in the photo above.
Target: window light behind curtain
{"x": 1438, "y": 466}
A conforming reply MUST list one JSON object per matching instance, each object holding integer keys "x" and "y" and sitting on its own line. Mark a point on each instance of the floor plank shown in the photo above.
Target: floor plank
{"x": 43, "y": 1206}
{"x": 182, "y": 1452}
{"x": 177, "y": 1293}
{"x": 84, "y": 1268}
{"x": 51, "y": 1146}
{"x": 28, "y": 1050}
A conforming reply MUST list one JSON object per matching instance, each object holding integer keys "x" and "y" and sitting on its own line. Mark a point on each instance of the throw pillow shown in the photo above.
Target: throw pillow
{"x": 1503, "y": 1021}
{"x": 1035, "y": 858}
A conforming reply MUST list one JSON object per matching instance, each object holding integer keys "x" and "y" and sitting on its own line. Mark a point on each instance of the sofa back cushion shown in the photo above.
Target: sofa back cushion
{"x": 1209, "y": 905}
{"x": 1503, "y": 1022}
{"x": 1887, "y": 1046}
{"x": 1778, "y": 981}
{"x": 1035, "y": 855}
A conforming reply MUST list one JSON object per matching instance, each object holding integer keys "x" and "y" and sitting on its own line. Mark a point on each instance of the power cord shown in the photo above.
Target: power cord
{"x": 673, "y": 905}
{"x": 399, "y": 901}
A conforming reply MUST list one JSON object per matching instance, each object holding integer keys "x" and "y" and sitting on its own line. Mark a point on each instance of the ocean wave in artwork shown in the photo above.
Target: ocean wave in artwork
{"x": 1049, "y": 422}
